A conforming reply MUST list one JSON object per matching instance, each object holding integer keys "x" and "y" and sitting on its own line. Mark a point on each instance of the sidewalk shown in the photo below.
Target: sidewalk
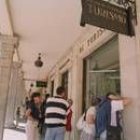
{"x": 15, "y": 134}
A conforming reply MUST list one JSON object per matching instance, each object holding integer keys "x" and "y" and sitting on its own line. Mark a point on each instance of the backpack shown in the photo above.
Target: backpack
{"x": 103, "y": 116}
{"x": 82, "y": 121}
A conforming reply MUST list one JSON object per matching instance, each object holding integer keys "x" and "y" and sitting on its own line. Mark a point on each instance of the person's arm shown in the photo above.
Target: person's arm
{"x": 118, "y": 103}
{"x": 28, "y": 114}
{"x": 68, "y": 111}
{"x": 126, "y": 101}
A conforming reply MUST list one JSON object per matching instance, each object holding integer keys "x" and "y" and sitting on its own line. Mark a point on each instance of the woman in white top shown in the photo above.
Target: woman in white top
{"x": 88, "y": 132}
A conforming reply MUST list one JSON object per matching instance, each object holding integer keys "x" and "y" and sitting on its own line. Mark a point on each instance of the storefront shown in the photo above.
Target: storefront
{"x": 101, "y": 72}
{"x": 100, "y": 62}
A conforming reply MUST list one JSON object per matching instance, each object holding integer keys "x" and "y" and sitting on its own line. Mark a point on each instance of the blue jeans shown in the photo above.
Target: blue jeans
{"x": 56, "y": 133}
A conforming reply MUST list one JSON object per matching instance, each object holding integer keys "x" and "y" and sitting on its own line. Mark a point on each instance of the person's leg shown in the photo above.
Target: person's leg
{"x": 90, "y": 137}
{"x": 43, "y": 132}
{"x": 50, "y": 134}
{"x": 103, "y": 136}
{"x": 30, "y": 131}
{"x": 37, "y": 135}
{"x": 82, "y": 135}
{"x": 86, "y": 136}
{"x": 67, "y": 135}
{"x": 60, "y": 133}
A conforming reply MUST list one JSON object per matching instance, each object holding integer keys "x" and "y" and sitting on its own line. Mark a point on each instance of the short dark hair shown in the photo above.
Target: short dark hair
{"x": 109, "y": 93}
{"x": 70, "y": 101}
{"x": 95, "y": 101}
{"x": 60, "y": 90}
{"x": 35, "y": 94}
{"x": 47, "y": 96}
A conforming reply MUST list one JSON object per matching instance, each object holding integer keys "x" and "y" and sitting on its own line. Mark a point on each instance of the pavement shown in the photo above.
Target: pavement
{"x": 15, "y": 133}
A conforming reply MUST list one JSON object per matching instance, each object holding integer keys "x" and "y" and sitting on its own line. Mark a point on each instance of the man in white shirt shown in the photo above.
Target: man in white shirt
{"x": 117, "y": 104}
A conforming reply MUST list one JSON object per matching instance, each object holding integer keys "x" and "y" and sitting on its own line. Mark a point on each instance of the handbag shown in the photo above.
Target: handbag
{"x": 81, "y": 122}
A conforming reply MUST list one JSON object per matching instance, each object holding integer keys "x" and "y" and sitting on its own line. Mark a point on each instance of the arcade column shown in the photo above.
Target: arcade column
{"x": 7, "y": 46}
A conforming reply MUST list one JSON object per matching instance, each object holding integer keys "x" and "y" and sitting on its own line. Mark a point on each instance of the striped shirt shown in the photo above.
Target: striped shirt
{"x": 56, "y": 112}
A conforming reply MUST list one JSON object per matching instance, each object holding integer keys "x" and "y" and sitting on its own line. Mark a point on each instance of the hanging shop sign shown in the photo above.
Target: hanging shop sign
{"x": 106, "y": 15}
{"x": 41, "y": 84}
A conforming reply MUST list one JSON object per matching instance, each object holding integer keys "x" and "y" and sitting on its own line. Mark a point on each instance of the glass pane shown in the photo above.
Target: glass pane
{"x": 102, "y": 72}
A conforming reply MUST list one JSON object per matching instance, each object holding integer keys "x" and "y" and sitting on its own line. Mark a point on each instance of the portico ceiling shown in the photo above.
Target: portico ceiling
{"x": 48, "y": 26}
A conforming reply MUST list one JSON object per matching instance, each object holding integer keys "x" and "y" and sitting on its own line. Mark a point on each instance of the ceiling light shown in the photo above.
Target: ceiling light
{"x": 39, "y": 62}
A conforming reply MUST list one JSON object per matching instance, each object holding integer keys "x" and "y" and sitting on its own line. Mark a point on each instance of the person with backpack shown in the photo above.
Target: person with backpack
{"x": 88, "y": 130}
{"x": 33, "y": 115}
{"x": 107, "y": 117}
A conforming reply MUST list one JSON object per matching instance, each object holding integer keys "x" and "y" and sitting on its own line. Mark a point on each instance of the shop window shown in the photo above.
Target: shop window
{"x": 101, "y": 72}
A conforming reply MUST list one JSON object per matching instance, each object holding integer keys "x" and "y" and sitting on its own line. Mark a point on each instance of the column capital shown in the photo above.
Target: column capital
{"x": 17, "y": 65}
{"x": 6, "y": 39}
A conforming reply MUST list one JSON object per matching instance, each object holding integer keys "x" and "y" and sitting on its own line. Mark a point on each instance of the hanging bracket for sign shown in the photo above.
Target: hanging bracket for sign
{"x": 108, "y": 15}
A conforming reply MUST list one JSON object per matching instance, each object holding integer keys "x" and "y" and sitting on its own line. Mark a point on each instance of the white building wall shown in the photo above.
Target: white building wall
{"x": 130, "y": 86}
{"x": 92, "y": 39}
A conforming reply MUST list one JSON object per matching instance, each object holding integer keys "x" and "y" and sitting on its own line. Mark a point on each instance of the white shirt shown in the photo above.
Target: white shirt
{"x": 116, "y": 105}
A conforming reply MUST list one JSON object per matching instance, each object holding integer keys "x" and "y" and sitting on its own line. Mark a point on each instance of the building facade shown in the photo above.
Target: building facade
{"x": 98, "y": 62}
{"x": 101, "y": 61}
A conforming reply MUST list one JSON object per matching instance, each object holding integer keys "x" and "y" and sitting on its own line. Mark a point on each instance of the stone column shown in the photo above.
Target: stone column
{"x": 21, "y": 93}
{"x": 20, "y": 87}
{"x": 137, "y": 31}
{"x": 76, "y": 79}
{"x": 57, "y": 81}
{"x": 130, "y": 86}
{"x": 49, "y": 85}
{"x": 138, "y": 16}
{"x": 70, "y": 83}
{"x": 23, "y": 89}
{"x": 7, "y": 50}
{"x": 10, "y": 110}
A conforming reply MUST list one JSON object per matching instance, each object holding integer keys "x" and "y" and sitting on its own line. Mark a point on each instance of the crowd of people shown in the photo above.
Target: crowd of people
{"x": 103, "y": 120}
{"x": 50, "y": 119}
